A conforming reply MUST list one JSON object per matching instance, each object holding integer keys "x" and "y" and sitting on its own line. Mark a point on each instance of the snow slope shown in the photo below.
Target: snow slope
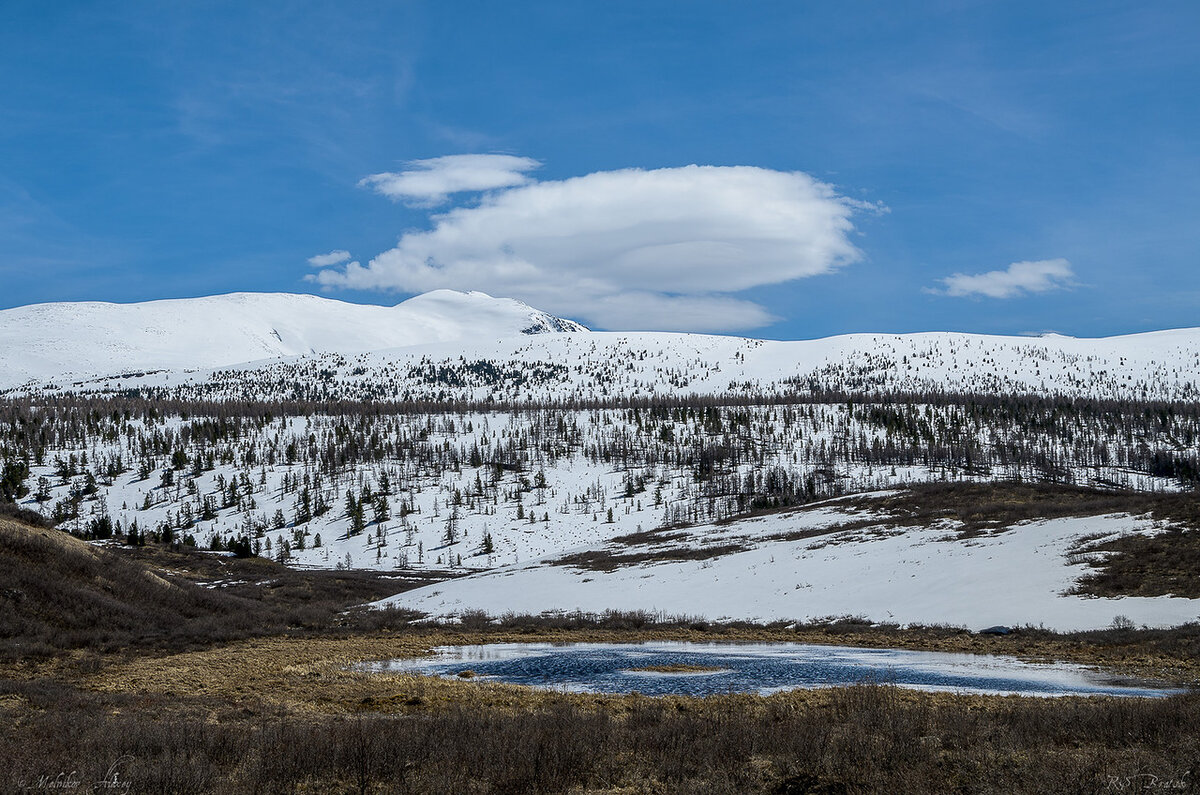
{"x": 926, "y": 575}
{"x": 446, "y": 345}
{"x": 71, "y": 340}
{"x": 1162, "y": 365}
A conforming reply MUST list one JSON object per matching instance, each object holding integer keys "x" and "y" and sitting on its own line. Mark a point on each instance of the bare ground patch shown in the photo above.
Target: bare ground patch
{"x": 609, "y": 560}
{"x": 1164, "y": 564}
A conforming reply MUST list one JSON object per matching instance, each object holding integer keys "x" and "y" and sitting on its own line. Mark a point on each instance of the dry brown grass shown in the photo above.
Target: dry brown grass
{"x": 290, "y": 713}
{"x": 58, "y": 593}
{"x": 1167, "y": 563}
{"x": 607, "y": 560}
{"x": 316, "y": 674}
{"x": 284, "y": 715}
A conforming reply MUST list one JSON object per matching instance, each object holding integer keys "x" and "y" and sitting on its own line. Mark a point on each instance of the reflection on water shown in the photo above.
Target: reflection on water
{"x": 755, "y": 668}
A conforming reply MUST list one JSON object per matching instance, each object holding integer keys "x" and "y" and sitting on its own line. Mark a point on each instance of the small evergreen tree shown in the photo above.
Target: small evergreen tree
{"x": 12, "y": 480}
{"x": 358, "y": 519}
{"x": 382, "y": 509}
{"x": 241, "y": 547}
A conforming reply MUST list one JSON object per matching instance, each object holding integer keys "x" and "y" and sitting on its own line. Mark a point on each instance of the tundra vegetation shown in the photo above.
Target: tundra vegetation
{"x": 181, "y": 671}
{"x": 126, "y": 645}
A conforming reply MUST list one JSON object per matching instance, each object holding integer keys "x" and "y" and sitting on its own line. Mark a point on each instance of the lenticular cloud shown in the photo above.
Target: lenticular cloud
{"x": 631, "y": 248}
{"x": 430, "y": 182}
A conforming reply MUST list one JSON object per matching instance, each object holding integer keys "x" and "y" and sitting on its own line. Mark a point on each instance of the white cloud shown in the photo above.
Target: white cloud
{"x": 657, "y": 312}
{"x": 427, "y": 183}
{"x": 1020, "y": 278}
{"x": 332, "y": 258}
{"x": 629, "y": 249}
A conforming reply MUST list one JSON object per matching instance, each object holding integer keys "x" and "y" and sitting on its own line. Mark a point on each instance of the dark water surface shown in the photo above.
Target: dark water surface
{"x": 757, "y": 668}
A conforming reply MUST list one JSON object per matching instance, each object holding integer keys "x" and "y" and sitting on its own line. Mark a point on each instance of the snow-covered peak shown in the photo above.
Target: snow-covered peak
{"x": 485, "y": 308}
{"x": 57, "y": 340}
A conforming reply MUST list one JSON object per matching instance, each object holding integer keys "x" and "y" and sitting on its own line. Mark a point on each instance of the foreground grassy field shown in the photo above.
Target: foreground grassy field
{"x": 285, "y": 714}
{"x": 167, "y": 684}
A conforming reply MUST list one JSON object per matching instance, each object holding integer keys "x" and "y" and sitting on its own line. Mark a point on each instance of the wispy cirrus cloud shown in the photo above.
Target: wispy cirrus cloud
{"x": 430, "y": 182}
{"x": 1019, "y": 278}
{"x": 629, "y": 249}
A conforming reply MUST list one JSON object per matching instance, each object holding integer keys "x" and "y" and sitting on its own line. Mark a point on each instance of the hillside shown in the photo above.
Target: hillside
{"x": 58, "y": 592}
{"x": 499, "y": 448}
{"x": 78, "y": 340}
{"x": 609, "y": 366}
{"x": 972, "y": 556}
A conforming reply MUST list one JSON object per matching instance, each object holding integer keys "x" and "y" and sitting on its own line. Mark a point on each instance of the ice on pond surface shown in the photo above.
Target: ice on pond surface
{"x": 702, "y": 669}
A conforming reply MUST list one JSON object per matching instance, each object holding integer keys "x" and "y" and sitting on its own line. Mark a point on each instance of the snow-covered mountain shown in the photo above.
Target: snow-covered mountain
{"x": 450, "y": 345}
{"x": 77, "y": 340}
{"x": 603, "y": 366}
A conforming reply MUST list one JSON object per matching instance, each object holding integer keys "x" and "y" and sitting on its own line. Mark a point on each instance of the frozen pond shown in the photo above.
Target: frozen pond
{"x": 701, "y": 669}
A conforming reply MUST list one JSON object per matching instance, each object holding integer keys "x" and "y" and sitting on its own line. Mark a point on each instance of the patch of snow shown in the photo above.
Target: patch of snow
{"x": 914, "y": 576}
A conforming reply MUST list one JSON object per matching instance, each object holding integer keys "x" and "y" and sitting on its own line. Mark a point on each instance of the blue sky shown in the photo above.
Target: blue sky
{"x": 1000, "y": 167}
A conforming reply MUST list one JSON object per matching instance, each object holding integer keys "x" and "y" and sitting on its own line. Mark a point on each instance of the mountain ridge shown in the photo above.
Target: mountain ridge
{"x": 603, "y": 366}
{"x": 447, "y": 345}
{"x": 92, "y": 338}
